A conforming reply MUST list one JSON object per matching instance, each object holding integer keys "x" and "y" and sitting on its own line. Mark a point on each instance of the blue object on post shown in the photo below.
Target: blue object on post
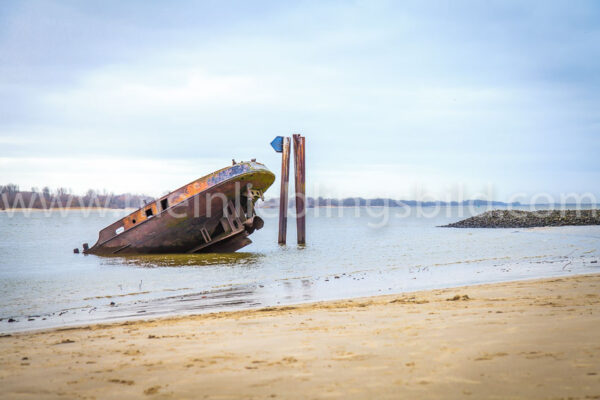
{"x": 277, "y": 144}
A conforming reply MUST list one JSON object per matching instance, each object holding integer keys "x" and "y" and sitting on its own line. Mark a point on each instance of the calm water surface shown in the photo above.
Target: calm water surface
{"x": 43, "y": 284}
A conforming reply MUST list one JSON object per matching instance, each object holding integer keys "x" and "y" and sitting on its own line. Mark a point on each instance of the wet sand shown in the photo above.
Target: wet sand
{"x": 518, "y": 340}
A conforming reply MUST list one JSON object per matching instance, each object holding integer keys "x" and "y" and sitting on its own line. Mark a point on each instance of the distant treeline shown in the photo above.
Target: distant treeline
{"x": 382, "y": 202}
{"x": 12, "y": 197}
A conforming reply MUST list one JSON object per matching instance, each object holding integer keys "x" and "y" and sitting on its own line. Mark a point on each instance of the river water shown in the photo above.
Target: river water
{"x": 349, "y": 253}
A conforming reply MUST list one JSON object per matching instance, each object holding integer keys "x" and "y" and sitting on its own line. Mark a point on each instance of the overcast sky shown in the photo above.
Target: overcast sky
{"x": 396, "y": 99}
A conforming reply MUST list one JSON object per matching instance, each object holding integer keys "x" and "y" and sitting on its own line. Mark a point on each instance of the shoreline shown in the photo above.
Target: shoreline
{"x": 118, "y": 321}
{"x": 521, "y": 339}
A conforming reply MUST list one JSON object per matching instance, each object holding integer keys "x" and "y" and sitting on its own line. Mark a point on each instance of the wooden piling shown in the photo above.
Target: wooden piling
{"x": 283, "y": 194}
{"x": 300, "y": 187}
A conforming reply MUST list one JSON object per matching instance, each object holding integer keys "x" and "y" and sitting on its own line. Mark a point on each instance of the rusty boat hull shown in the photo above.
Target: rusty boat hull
{"x": 214, "y": 213}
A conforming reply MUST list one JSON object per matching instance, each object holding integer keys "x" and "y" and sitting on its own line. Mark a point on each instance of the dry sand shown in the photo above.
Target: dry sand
{"x": 529, "y": 340}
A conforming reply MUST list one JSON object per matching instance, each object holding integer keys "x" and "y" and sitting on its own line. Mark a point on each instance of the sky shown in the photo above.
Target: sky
{"x": 444, "y": 100}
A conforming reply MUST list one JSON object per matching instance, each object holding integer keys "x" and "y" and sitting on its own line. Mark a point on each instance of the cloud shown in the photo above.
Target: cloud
{"x": 500, "y": 92}
{"x": 118, "y": 175}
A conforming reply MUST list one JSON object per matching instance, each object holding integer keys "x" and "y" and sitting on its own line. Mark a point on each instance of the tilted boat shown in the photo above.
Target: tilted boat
{"x": 214, "y": 213}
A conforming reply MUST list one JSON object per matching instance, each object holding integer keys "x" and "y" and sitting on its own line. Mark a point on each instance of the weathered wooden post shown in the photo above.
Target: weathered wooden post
{"x": 282, "y": 145}
{"x": 300, "y": 187}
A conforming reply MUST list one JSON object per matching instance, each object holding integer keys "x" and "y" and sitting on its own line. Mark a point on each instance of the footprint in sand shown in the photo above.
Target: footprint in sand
{"x": 464, "y": 297}
{"x": 488, "y": 356}
{"x": 122, "y": 381}
{"x": 532, "y": 355}
{"x": 152, "y": 390}
{"x": 64, "y": 341}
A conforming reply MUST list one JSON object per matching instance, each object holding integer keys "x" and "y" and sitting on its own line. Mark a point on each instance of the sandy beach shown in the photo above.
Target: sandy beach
{"x": 520, "y": 340}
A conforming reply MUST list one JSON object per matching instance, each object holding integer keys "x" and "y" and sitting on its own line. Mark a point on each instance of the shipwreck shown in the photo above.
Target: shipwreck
{"x": 213, "y": 214}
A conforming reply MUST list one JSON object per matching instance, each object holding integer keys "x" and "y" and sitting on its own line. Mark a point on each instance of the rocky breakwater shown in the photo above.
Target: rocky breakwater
{"x": 529, "y": 219}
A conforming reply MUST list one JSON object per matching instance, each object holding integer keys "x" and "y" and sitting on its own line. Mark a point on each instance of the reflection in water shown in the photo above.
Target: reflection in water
{"x": 186, "y": 260}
